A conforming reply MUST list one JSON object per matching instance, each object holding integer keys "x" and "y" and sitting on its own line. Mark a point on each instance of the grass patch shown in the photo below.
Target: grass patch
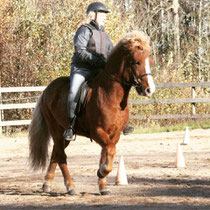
{"x": 157, "y": 128}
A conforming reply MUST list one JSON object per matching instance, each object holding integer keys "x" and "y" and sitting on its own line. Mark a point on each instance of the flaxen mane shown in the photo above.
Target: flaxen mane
{"x": 135, "y": 39}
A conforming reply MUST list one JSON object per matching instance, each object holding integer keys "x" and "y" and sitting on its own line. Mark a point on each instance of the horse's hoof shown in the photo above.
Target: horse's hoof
{"x": 46, "y": 188}
{"x": 72, "y": 192}
{"x": 105, "y": 192}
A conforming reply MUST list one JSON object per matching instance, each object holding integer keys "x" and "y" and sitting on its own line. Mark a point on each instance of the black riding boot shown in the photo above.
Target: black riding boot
{"x": 69, "y": 132}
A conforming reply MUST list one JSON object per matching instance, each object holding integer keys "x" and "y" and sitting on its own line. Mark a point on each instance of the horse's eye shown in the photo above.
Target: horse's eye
{"x": 135, "y": 63}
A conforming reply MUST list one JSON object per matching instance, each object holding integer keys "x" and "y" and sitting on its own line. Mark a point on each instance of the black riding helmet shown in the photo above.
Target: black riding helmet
{"x": 97, "y": 7}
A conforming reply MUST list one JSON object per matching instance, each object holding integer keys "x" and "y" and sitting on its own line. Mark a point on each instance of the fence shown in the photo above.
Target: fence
{"x": 16, "y": 106}
{"x": 193, "y": 100}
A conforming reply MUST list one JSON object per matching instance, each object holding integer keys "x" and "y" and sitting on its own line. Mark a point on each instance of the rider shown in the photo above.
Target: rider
{"x": 92, "y": 47}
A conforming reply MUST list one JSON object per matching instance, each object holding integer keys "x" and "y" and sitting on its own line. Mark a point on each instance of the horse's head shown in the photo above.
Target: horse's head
{"x": 137, "y": 62}
{"x": 138, "y": 65}
{"x": 129, "y": 63}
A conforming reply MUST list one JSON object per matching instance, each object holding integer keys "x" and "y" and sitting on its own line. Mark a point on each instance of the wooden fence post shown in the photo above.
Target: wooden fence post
{"x": 0, "y": 109}
{"x": 0, "y": 116}
{"x": 193, "y": 104}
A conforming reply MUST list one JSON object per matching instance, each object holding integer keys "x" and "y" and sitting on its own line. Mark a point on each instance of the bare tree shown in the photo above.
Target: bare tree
{"x": 176, "y": 35}
{"x": 199, "y": 40}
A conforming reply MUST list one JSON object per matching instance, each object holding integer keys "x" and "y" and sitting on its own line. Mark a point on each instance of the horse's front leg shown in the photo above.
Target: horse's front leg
{"x": 105, "y": 167}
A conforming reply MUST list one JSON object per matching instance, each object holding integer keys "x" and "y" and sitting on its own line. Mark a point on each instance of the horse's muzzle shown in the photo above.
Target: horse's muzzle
{"x": 144, "y": 91}
{"x": 148, "y": 92}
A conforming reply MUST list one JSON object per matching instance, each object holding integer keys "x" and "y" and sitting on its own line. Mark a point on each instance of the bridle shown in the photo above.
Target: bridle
{"x": 135, "y": 82}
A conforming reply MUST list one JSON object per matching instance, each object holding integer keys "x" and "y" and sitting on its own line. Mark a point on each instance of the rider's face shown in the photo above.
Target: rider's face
{"x": 101, "y": 18}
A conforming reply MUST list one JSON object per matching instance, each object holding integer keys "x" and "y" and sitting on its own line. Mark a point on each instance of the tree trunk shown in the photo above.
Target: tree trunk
{"x": 176, "y": 35}
{"x": 162, "y": 29}
{"x": 199, "y": 41}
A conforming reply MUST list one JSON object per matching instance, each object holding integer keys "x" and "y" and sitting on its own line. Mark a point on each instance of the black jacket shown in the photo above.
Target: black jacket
{"x": 92, "y": 46}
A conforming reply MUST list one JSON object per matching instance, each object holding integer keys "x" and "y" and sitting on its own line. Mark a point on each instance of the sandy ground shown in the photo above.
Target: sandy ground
{"x": 153, "y": 180}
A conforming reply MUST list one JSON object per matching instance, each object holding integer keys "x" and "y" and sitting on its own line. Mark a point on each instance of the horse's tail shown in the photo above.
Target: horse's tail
{"x": 39, "y": 137}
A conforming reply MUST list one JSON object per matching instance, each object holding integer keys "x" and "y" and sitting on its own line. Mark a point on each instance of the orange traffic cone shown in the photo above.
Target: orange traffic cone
{"x": 186, "y": 137}
{"x": 121, "y": 174}
{"x": 180, "y": 163}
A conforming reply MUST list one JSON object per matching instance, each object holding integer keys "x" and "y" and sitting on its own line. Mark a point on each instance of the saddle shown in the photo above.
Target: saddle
{"x": 83, "y": 98}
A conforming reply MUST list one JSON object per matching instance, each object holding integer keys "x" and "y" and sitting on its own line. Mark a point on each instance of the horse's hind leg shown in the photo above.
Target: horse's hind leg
{"x": 105, "y": 167}
{"x": 58, "y": 155}
{"x": 51, "y": 172}
{"x": 49, "y": 175}
{"x": 67, "y": 178}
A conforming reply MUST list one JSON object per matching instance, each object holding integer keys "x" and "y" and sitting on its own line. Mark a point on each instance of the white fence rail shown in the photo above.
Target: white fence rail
{"x": 17, "y": 106}
{"x": 192, "y": 101}
{"x": 21, "y": 89}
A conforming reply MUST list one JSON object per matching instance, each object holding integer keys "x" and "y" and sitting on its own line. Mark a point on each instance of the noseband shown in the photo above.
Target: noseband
{"x": 135, "y": 78}
{"x": 135, "y": 82}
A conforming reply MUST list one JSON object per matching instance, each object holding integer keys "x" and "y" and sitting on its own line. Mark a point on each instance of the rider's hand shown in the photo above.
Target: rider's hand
{"x": 100, "y": 61}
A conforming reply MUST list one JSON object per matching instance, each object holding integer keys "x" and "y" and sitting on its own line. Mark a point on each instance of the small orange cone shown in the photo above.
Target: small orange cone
{"x": 180, "y": 163}
{"x": 121, "y": 173}
{"x": 186, "y": 137}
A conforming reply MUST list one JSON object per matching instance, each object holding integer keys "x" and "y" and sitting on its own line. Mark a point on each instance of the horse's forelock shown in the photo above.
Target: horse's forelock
{"x": 137, "y": 39}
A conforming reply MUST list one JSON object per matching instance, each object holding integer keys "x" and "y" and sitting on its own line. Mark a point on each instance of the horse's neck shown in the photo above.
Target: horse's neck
{"x": 115, "y": 89}
{"x": 109, "y": 85}
{"x": 111, "y": 92}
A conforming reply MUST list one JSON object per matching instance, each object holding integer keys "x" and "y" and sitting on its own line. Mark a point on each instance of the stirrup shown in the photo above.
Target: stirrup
{"x": 69, "y": 134}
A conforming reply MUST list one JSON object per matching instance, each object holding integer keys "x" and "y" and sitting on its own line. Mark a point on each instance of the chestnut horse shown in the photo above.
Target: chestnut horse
{"x": 104, "y": 116}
